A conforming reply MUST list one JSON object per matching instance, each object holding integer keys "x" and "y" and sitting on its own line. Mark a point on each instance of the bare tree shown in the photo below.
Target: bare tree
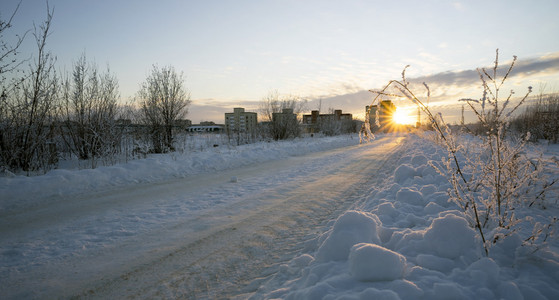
{"x": 328, "y": 125}
{"x": 27, "y": 113}
{"x": 89, "y": 108}
{"x": 9, "y": 62}
{"x": 164, "y": 100}
{"x": 334, "y": 124}
{"x": 281, "y": 114}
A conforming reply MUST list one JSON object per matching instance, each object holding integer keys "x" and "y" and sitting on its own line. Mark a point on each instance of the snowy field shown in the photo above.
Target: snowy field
{"x": 379, "y": 229}
{"x": 19, "y": 192}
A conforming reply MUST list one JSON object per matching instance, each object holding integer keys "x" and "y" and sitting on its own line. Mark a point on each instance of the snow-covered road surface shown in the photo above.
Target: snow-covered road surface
{"x": 198, "y": 237}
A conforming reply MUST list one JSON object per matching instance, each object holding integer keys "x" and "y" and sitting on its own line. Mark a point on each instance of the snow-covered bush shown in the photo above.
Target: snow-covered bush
{"x": 490, "y": 181}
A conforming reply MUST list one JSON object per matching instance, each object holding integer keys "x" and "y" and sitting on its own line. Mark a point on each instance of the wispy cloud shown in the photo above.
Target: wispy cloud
{"x": 548, "y": 64}
{"x": 351, "y": 96}
{"x": 446, "y": 87}
{"x": 544, "y": 65}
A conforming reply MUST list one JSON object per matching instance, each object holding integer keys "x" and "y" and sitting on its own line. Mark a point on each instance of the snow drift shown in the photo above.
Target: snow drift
{"x": 407, "y": 241}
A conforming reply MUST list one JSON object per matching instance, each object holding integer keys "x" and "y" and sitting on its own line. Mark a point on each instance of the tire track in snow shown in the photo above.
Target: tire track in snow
{"x": 211, "y": 252}
{"x": 232, "y": 259}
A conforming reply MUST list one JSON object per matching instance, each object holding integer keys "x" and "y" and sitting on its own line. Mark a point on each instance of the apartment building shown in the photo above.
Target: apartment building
{"x": 285, "y": 116}
{"x": 316, "y": 121}
{"x": 385, "y": 109}
{"x": 315, "y": 117}
{"x": 284, "y": 124}
{"x": 240, "y": 121}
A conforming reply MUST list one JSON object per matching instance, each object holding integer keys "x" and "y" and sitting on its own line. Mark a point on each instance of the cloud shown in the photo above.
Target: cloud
{"x": 544, "y": 65}
{"x": 214, "y": 110}
{"x": 206, "y": 112}
{"x": 460, "y": 78}
{"x": 354, "y": 102}
{"x": 446, "y": 89}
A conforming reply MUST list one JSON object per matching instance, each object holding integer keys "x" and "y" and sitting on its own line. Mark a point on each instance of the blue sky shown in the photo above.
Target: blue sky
{"x": 233, "y": 53}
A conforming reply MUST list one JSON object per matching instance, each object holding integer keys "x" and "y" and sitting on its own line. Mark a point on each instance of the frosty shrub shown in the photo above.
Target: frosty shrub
{"x": 164, "y": 101}
{"x": 491, "y": 181}
{"x": 88, "y": 111}
{"x": 280, "y": 113}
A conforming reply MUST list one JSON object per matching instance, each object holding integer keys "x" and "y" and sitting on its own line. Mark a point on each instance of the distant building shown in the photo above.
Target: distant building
{"x": 284, "y": 124}
{"x": 285, "y": 116}
{"x": 315, "y": 117}
{"x": 240, "y": 121}
{"x": 316, "y": 120}
{"x": 385, "y": 110}
{"x": 184, "y": 123}
{"x": 312, "y": 119}
{"x": 207, "y": 126}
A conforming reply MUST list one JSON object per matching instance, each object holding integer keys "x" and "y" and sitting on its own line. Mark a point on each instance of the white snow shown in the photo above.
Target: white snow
{"x": 400, "y": 239}
{"x": 371, "y": 262}
{"x": 19, "y": 192}
{"x": 71, "y": 229}
{"x": 407, "y": 241}
{"x": 351, "y": 228}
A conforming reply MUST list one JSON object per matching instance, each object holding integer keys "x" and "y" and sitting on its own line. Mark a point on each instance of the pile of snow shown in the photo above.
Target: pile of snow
{"x": 371, "y": 262}
{"x": 18, "y": 192}
{"x": 407, "y": 241}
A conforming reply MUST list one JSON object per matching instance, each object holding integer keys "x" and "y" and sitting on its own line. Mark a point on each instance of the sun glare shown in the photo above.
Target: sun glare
{"x": 402, "y": 117}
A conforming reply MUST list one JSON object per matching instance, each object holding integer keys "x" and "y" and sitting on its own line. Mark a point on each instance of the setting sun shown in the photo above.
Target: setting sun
{"x": 402, "y": 117}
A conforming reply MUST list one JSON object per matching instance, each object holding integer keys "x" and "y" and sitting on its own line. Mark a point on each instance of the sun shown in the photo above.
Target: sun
{"x": 402, "y": 117}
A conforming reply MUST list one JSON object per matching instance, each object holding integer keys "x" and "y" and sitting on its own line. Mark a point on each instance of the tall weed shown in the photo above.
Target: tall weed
{"x": 489, "y": 182}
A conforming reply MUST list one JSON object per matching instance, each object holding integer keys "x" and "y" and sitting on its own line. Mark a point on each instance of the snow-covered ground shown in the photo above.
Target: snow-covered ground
{"x": 407, "y": 241}
{"x": 75, "y": 230}
{"x": 20, "y": 192}
{"x": 306, "y": 219}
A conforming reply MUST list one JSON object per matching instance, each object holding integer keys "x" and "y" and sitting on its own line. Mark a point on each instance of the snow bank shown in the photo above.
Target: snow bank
{"x": 351, "y": 228}
{"x": 370, "y": 262}
{"x": 17, "y": 192}
{"x": 407, "y": 241}
{"x": 404, "y": 240}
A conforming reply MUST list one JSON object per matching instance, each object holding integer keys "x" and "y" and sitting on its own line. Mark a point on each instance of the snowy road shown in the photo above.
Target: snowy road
{"x": 196, "y": 237}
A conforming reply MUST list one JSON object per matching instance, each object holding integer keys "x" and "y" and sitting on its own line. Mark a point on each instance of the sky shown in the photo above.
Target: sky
{"x": 235, "y": 53}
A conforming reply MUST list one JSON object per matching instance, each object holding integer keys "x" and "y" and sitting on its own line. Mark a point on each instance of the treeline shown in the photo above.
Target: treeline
{"x": 44, "y": 112}
{"x": 541, "y": 118}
